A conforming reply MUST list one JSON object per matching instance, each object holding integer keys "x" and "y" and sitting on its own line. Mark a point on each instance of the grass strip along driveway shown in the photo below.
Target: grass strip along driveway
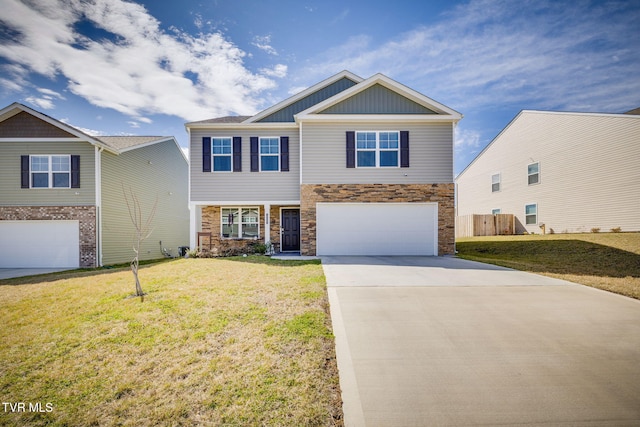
{"x": 609, "y": 261}
{"x": 244, "y": 341}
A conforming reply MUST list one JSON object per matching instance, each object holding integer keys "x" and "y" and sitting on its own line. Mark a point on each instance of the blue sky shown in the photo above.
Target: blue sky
{"x": 116, "y": 67}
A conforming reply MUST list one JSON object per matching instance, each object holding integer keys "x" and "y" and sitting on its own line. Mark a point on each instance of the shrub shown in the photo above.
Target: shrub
{"x": 595, "y": 230}
{"x": 616, "y": 230}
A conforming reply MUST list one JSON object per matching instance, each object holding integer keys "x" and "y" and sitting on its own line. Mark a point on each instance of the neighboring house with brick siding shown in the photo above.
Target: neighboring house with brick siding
{"x": 349, "y": 166}
{"x": 61, "y": 193}
{"x": 572, "y": 172}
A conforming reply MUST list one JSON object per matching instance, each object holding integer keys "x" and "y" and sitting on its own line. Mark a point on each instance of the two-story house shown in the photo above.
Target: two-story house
{"x": 559, "y": 172}
{"x": 62, "y": 193}
{"x": 349, "y": 166}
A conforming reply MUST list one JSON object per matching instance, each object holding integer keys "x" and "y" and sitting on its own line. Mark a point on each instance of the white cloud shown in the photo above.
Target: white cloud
{"x": 543, "y": 54}
{"x": 279, "y": 71}
{"x": 142, "y": 70}
{"x": 44, "y": 103}
{"x": 264, "y": 43}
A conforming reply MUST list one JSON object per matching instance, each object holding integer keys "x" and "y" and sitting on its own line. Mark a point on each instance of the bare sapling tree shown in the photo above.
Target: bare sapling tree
{"x": 142, "y": 231}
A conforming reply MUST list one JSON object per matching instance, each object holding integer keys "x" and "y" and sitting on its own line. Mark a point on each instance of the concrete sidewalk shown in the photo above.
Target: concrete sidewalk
{"x": 443, "y": 341}
{"x": 10, "y": 273}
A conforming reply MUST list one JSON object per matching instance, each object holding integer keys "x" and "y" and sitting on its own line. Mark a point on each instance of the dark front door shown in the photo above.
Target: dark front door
{"x": 290, "y": 230}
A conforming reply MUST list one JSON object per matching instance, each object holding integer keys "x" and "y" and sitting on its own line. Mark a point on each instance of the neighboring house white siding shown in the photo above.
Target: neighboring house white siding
{"x": 588, "y": 165}
{"x": 324, "y": 154}
{"x": 156, "y": 172}
{"x": 244, "y": 185}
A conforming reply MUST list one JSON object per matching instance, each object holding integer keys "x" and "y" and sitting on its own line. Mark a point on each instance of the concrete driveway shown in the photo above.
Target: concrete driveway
{"x": 10, "y": 273}
{"x": 442, "y": 341}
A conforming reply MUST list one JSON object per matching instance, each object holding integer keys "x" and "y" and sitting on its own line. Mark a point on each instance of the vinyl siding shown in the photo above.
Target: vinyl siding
{"x": 165, "y": 178}
{"x": 12, "y": 195}
{"x": 430, "y": 153}
{"x": 245, "y": 185}
{"x": 286, "y": 114}
{"x": 377, "y": 100}
{"x": 589, "y": 174}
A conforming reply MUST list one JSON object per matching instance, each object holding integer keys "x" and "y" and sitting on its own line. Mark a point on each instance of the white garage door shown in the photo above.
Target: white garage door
{"x": 377, "y": 228}
{"x": 39, "y": 244}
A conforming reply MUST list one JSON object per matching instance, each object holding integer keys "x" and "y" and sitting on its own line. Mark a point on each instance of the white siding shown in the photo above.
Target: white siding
{"x": 157, "y": 171}
{"x": 245, "y": 185}
{"x": 589, "y": 172}
{"x": 324, "y": 155}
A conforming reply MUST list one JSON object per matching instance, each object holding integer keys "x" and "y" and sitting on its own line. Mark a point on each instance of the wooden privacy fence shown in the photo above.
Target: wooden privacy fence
{"x": 484, "y": 225}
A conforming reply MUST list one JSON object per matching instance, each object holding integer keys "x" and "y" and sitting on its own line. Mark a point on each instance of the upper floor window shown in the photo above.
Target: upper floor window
{"x": 52, "y": 171}
{"x": 531, "y": 214}
{"x": 377, "y": 149}
{"x": 495, "y": 182}
{"x": 533, "y": 173}
{"x": 269, "y": 154}
{"x": 222, "y": 154}
{"x": 240, "y": 223}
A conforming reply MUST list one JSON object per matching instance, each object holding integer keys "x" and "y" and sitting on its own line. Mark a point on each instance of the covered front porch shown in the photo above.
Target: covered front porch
{"x": 225, "y": 228}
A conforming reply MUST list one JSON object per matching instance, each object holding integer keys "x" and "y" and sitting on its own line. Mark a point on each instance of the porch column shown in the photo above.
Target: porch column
{"x": 267, "y": 223}
{"x": 193, "y": 225}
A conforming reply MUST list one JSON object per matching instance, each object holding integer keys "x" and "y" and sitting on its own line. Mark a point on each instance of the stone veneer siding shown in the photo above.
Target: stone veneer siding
{"x": 211, "y": 224}
{"x": 85, "y": 215}
{"x": 443, "y": 194}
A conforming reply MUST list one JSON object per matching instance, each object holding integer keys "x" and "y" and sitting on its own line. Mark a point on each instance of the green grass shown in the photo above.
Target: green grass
{"x": 609, "y": 261}
{"x": 242, "y": 341}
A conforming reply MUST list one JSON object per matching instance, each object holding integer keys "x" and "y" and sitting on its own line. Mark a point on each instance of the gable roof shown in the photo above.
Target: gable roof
{"x": 65, "y": 130}
{"x": 299, "y": 97}
{"x": 433, "y": 110}
{"x": 113, "y": 144}
{"x": 128, "y": 143}
{"x": 527, "y": 112}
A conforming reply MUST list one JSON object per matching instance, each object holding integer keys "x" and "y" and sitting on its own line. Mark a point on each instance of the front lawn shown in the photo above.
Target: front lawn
{"x": 242, "y": 341}
{"x": 609, "y": 261}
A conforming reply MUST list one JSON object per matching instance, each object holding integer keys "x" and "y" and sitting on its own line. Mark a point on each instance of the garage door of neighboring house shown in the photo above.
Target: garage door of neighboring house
{"x": 377, "y": 229}
{"x": 39, "y": 244}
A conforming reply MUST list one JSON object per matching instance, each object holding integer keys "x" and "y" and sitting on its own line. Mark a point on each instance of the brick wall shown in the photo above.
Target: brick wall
{"x": 86, "y": 215}
{"x": 443, "y": 194}
{"x": 211, "y": 223}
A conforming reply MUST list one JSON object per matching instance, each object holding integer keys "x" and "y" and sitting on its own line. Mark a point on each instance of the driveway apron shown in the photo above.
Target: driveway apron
{"x": 440, "y": 341}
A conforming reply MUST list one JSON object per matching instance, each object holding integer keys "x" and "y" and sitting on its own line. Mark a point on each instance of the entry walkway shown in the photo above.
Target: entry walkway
{"x": 443, "y": 341}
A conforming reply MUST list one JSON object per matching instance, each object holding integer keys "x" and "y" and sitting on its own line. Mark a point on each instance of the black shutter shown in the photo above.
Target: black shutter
{"x": 351, "y": 149}
{"x": 255, "y": 157}
{"x": 206, "y": 154}
{"x": 237, "y": 154}
{"x": 24, "y": 171}
{"x": 284, "y": 154}
{"x": 75, "y": 171}
{"x": 404, "y": 149}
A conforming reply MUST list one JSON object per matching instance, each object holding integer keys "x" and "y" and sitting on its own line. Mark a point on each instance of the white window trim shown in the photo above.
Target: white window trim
{"x": 239, "y": 211}
{"x": 526, "y": 215}
{"x": 230, "y": 155}
{"x": 377, "y": 149}
{"x": 530, "y": 174}
{"x": 50, "y": 172}
{"x": 260, "y": 138}
{"x": 499, "y": 174}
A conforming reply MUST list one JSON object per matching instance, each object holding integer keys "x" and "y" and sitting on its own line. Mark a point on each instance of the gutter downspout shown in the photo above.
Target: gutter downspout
{"x": 98, "y": 168}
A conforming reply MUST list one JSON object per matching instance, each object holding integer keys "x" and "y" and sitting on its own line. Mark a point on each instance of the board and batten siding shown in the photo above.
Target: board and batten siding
{"x": 156, "y": 171}
{"x": 324, "y": 154}
{"x": 11, "y": 193}
{"x": 245, "y": 185}
{"x": 589, "y": 173}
